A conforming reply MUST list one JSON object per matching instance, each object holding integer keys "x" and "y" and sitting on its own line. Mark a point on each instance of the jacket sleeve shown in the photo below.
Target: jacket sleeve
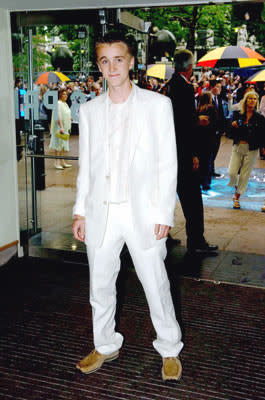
{"x": 262, "y": 106}
{"x": 262, "y": 130}
{"x": 82, "y": 184}
{"x": 167, "y": 166}
{"x": 232, "y": 132}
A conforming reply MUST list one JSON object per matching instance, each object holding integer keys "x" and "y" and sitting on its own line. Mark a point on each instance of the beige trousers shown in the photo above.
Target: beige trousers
{"x": 241, "y": 164}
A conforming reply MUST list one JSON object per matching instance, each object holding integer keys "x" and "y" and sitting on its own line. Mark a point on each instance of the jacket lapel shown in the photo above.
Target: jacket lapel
{"x": 102, "y": 126}
{"x": 136, "y": 125}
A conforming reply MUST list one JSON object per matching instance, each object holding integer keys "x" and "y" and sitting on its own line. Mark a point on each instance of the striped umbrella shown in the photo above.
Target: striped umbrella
{"x": 51, "y": 77}
{"x": 161, "y": 71}
{"x": 231, "y": 56}
{"x": 257, "y": 77}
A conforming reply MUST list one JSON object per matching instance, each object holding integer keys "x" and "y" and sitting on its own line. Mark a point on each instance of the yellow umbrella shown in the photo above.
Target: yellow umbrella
{"x": 160, "y": 71}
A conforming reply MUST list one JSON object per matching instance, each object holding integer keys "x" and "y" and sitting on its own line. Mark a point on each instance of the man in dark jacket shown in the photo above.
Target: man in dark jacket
{"x": 188, "y": 187}
{"x": 216, "y": 88}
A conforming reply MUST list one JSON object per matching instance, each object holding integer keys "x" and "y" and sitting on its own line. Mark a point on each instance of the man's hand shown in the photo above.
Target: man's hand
{"x": 235, "y": 124}
{"x": 196, "y": 163}
{"x": 203, "y": 120}
{"x": 161, "y": 231}
{"x": 78, "y": 228}
{"x": 229, "y": 96}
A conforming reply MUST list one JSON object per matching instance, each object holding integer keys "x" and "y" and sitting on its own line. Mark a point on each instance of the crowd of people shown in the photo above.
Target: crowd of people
{"x": 220, "y": 98}
{"x": 225, "y": 104}
{"x": 236, "y": 113}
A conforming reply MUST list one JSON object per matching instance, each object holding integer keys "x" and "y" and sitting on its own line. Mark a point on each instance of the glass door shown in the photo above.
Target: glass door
{"x": 47, "y": 167}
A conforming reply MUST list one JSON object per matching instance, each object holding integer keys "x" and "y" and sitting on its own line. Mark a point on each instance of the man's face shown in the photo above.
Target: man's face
{"x": 114, "y": 61}
{"x": 189, "y": 72}
{"x": 217, "y": 89}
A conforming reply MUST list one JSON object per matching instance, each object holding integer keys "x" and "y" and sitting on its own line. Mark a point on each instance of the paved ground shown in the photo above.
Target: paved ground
{"x": 233, "y": 230}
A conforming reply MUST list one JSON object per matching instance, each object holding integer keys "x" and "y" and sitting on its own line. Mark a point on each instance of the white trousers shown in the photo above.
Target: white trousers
{"x": 244, "y": 159}
{"x": 104, "y": 265}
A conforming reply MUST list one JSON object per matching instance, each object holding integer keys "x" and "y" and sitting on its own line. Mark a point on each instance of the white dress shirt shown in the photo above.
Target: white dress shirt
{"x": 119, "y": 149}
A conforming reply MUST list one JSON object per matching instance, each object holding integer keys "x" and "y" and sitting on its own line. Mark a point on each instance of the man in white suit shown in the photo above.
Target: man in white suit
{"x": 126, "y": 193}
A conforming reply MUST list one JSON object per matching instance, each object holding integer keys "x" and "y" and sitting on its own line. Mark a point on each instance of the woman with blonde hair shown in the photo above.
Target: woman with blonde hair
{"x": 248, "y": 134}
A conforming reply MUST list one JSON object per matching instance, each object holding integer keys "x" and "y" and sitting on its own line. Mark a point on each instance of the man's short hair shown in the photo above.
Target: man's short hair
{"x": 182, "y": 60}
{"x": 214, "y": 82}
{"x": 117, "y": 36}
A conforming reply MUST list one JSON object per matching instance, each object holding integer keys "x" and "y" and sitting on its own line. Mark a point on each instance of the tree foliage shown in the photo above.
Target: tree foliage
{"x": 69, "y": 34}
{"x": 185, "y": 21}
{"x": 40, "y": 57}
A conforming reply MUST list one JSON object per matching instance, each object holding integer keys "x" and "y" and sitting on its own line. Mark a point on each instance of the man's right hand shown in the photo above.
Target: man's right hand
{"x": 203, "y": 120}
{"x": 78, "y": 228}
{"x": 196, "y": 163}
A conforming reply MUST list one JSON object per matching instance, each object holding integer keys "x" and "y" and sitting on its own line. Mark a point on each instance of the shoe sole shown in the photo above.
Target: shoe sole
{"x": 114, "y": 357}
{"x": 166, "y": 378}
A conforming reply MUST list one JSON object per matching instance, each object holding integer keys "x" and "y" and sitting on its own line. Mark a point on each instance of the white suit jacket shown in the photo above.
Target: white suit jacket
{"x": 152, "y": 175}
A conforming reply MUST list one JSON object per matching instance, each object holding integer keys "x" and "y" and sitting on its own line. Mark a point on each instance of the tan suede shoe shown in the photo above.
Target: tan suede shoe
{"x": 94, "y": 361}
{"x": 171, "y": 369}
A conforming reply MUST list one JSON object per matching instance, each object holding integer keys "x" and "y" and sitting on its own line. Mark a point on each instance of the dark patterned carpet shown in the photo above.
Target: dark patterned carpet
{"x": 46, "y": 327}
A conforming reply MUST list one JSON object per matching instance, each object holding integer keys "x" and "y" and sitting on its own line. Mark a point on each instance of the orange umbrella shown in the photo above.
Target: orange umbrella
{"x": 51, "y": 77}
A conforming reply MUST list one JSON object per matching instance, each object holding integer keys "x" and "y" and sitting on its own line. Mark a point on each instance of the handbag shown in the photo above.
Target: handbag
{"x": 63, "y": 136}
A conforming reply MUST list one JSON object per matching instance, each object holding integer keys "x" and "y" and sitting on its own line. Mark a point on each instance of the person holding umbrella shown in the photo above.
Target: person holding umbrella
{"x": 60, "y": 130}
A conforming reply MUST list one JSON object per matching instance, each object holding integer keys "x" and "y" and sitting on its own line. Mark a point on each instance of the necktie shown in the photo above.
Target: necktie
{"x": 216, "y": 101}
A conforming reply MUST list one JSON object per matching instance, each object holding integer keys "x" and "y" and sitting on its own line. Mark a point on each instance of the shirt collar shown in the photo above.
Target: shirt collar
{"x": 184, "y": 77}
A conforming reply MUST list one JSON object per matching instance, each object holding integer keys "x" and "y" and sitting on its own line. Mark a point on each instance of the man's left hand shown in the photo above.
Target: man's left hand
{"x": 196, "y": 163}
{"x": 161, "y": 231}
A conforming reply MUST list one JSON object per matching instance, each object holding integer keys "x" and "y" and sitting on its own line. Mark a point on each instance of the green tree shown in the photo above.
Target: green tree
{"x": 40, "y": 57}
{"x": 185, "y": 21}
{"x": 255, "y": 26}
{"x": 69, "y": 34}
